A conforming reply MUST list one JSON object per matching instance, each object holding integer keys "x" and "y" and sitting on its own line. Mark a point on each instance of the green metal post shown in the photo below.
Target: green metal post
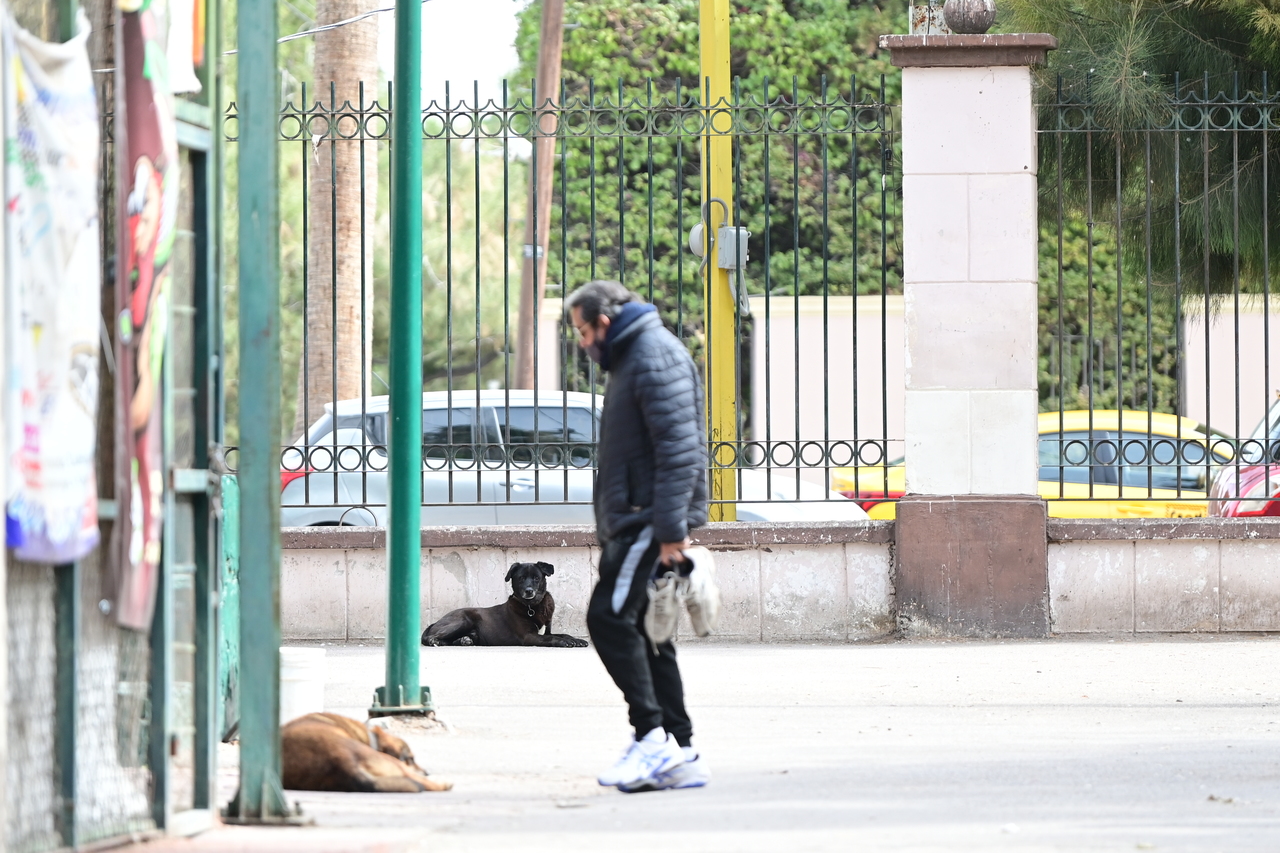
{"x": 401, "y": 693}
{"x": 260, "y": 797}
{"x": 67, "y": 10}
{"x": 161, "y": 675}
{"x": 67, "y": 609}
{"x": 209, "y": 419}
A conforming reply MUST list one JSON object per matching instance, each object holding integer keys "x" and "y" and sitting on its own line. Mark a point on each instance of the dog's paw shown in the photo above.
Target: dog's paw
{"x": 574, "y": 643}
{"x": 466, "y": 641}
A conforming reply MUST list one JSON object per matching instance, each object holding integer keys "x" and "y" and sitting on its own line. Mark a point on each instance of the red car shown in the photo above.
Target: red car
{"x": 1250, "y": 486}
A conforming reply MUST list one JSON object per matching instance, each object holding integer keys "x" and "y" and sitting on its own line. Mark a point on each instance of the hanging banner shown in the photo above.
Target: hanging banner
{"x": 51, "y": 295}
{"x": 147, "y": 190}
{"x": 183, "y": 48}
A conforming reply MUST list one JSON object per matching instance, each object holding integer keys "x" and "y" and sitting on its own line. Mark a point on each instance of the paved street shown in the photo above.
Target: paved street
{"x": 1169, "y": 744}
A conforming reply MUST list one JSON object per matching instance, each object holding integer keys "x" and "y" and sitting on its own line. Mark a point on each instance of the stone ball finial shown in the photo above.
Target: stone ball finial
{"x": 969, "y": 17}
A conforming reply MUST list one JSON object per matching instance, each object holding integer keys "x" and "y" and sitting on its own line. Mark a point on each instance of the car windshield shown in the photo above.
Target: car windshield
{"x": 1266, "y": 433}
{"x": 545, "y": 424}
{"x": 446, "y": 433}
{"x": 1165, "y": 462}
{"x": 540, "y": 432}
{"x": 373, "y": 425}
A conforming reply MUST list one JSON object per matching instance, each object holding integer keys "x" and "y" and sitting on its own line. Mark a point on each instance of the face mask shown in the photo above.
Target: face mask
{"x": 596, "y": 352}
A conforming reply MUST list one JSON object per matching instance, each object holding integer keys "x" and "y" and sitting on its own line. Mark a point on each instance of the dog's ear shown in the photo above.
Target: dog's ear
{"x": 546, "y": 568}
{"x": 511, "y": 572}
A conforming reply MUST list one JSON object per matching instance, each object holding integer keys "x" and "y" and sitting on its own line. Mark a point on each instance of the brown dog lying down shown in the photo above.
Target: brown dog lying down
{"x": 328, "y": 752}
{"x": 524, "y": 619}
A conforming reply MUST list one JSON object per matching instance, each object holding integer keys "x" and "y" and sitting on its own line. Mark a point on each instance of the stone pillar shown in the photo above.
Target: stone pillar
{"x": 971, "y": 548}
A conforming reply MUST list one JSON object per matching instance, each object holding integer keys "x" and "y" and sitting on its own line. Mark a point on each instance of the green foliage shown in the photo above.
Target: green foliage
{"x": 1125, "y": 43}
{"x": 626, "y": 198}
{"x": 1085, "y": 294}
{"x": 473, "y": 231}
{"x": 1175, "y": 212}
{"x": 1131, "y": 71}
{"x": 294, "y": 59}
{"x": 614, "y": 40}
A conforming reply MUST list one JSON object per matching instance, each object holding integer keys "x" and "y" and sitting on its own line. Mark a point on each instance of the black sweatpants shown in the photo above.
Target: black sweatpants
{"x": 650, "y": 683}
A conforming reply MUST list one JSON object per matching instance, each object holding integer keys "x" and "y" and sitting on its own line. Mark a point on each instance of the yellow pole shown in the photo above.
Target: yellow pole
{"x": 718, "y": 297}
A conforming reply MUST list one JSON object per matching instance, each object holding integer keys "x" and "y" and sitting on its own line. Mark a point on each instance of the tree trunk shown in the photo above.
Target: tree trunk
{"x": 537, "y": 227}
{"x": 337, "y": 358}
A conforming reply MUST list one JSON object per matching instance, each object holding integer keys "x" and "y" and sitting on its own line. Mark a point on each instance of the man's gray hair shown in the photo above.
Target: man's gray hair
{"x": 599, "y": 298}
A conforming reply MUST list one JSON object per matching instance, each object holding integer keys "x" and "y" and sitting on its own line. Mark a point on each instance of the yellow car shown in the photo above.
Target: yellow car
{"x": 1108, "y": 465}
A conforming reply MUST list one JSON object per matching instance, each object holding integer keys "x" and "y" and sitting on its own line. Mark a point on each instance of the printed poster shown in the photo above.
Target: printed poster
{"x": 51, "y": 295}
{"x": 147, "y": 166}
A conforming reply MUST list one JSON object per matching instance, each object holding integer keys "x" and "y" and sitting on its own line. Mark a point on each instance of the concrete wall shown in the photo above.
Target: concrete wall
{"x": 823, "y": 365}
{"x": 1194, "y": 575}
{"x": 786, "y": 582}
{"x": 828, "y": 386}
{"x": 1258, "y": 343}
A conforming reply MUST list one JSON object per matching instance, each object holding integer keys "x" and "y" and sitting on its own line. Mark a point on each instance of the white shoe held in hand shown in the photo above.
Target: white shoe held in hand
{"x": 700, "y": 593}
{"x": 664, "y": 607}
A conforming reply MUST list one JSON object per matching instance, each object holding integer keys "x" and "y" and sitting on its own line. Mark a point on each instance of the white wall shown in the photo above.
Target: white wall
{"x": 548, "y": 366}
{"x": 784, "y": 592}
{"x": 1164, "y": 586}
{"x": 826, "y": 367}
{"x": 818, "y": 590}
{"x": 823, "y": 368}
{"x": 1259, "y": 346}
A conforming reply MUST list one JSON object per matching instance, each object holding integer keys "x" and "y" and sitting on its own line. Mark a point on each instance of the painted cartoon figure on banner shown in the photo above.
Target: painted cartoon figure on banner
{"x": 150, "y": 157}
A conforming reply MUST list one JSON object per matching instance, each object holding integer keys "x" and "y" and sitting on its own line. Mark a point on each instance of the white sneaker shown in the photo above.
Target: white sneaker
{"x": 664, "y": 608}
{"x": 657, "y": 752}
{"x": 693, "y": 773}
{"x": 700, "y": 593}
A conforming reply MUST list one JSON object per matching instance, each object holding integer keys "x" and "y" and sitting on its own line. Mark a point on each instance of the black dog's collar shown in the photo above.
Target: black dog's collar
{"x": 528, "y": 608}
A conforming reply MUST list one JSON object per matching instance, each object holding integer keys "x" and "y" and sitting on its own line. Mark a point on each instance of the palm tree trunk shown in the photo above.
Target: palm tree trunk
{"x": 342, "y": 198}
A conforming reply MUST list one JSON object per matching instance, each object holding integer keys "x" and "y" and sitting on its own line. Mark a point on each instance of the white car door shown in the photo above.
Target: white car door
{"x": 549, "y": 475}
{"x": 455, "y": 488}
{"x": 327, "y": 486}
{"x": 775, "y": 495}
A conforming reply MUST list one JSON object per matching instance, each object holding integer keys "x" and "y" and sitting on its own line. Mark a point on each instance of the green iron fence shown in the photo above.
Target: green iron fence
{"x": 1157, "y": 228}
{"x": 815, "y": 183}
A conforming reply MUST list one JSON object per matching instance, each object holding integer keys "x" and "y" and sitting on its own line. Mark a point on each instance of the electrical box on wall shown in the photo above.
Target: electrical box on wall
{"x": 731, "y": 245}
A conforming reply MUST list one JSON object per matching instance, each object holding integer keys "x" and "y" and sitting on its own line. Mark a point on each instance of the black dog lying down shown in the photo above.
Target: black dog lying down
{"x": 513, "y": 623}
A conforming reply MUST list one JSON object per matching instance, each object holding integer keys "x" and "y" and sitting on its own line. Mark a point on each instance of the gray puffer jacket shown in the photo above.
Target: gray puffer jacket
{"x": 652, "y": 455}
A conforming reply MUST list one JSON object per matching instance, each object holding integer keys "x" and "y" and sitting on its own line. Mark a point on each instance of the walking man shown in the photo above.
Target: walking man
{"x": 650, "y": 491}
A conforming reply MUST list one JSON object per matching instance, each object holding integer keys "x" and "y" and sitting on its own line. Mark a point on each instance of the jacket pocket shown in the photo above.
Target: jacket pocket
{"x": 639, "y": 484}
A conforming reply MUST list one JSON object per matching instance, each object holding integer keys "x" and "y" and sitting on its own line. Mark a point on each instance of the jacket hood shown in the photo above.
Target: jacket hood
{"x": 631, "y": 320}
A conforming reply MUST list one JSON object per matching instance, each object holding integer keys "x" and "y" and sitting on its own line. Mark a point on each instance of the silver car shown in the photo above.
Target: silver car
{"x": 493, "y": 457}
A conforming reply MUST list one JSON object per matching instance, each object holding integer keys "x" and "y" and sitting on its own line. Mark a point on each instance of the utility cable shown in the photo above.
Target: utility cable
{"x": 302, "y": 33}
{"x": 327, "y": 27}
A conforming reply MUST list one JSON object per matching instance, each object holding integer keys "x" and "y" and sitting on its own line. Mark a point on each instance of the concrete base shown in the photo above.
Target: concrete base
{"x": 972, "y": 566}
{"x": 779, "y": 582}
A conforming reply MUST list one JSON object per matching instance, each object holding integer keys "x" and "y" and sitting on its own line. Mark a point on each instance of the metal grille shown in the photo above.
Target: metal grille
{"x": 815, "y": 182}
{"x": 33, "y": 803}
{"x": 112, "y": 780}
{"x": 1156, "y": 306}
